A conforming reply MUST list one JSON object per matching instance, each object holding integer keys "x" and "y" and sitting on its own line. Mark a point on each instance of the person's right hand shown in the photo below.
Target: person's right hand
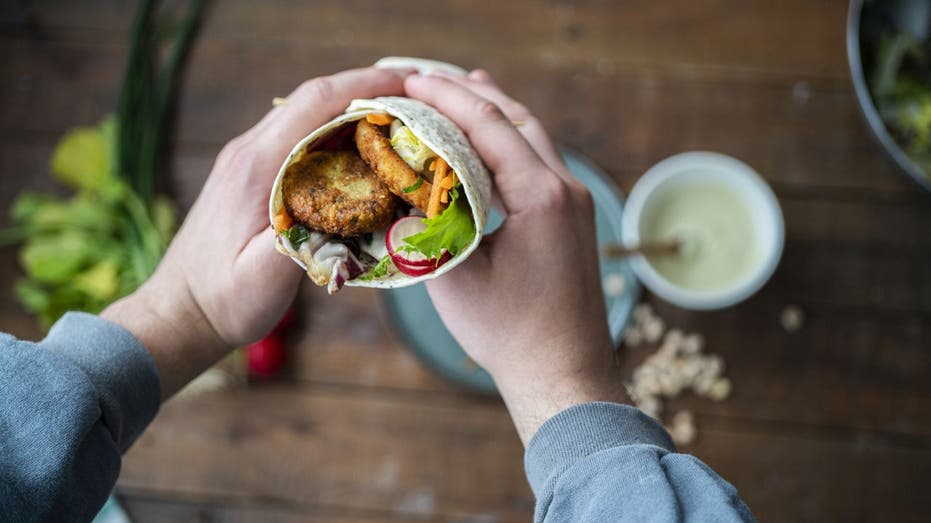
{"x": 527, "y": 305}
{"x": 221, "y": 284}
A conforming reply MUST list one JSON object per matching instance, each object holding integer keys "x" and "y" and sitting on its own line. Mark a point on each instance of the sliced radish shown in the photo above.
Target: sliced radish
{"x": 410, "y": 263}
{"x": 413, "y": 271}
{"x": 405, "y": 228}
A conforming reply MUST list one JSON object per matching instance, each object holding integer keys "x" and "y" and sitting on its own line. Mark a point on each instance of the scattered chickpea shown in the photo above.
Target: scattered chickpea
{"x": 614, "y": 284}
{"x": 678, "y": 365}
{"x": 683, "y": 430}
{"x": 720, "y": 389}
{"x": 792, "y": 318}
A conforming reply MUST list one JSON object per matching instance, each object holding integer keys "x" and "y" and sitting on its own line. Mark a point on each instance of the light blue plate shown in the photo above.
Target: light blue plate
{"x": 418, "y": 323}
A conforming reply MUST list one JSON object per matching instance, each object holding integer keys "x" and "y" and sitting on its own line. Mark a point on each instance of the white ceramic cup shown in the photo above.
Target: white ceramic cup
{"x": 694, "y": 166}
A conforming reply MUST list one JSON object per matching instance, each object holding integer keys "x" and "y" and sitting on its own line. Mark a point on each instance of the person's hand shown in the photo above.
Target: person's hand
{"x": 527, "y": 305}
{"x": 221, "y": 282}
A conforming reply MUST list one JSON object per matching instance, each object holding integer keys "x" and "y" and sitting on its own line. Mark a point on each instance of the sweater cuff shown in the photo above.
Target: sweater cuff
{"x": 118, "y": 366}
{"x": 583, "y": 430}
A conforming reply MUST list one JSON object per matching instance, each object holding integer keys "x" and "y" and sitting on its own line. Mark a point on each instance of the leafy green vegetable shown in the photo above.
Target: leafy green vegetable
{"x": 891, "y": 51}
{"x": 92, "y": 247}
{"x": 164, "y": 218}
{"x": 411, "y": 149}
{"x": 54, "y": 259}
{"x": 453, "y": 230}
{"x": 100, "y": 282}
{"x": 84, "y": 251}
{"x": 84, "y": 211}
{"x": 900, "y": 83}
{"x": 297, "y": 235}
{"x": 414, "y": 187}
{"x": 38, "y": 213}
{"x": 26, "y": 205}
{"x": 32, "y": 295}
{"x": 378, "y": 271}
{"x": 82, "y": 159}
{"x": 915, "y": 120}
{"x": 49, "y": 303}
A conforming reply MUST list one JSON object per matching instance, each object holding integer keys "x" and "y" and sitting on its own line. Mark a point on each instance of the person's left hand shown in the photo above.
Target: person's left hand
{"x": 221, "y": 283}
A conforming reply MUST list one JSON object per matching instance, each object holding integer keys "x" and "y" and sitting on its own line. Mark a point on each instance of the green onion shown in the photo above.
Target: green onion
{"x": 414, "y": 187}
{"x": 297, "y": 235}
{"x": 147, "y": 93}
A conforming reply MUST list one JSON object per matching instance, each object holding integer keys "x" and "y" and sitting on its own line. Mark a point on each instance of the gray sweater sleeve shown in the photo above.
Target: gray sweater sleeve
{"x": 70, "y": 405}
{"x": 608, "y": 462}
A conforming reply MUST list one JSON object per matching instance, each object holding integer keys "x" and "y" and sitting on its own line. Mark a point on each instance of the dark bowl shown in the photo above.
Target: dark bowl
{"x": 868, "y": 107}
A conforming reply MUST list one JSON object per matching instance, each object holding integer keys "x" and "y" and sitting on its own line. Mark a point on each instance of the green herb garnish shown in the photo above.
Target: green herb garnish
{"x": 414, "y": 187}
{"x": 453, "y": 230}
{"x": 379, "y": 270}
{"x": 297, "y": 235}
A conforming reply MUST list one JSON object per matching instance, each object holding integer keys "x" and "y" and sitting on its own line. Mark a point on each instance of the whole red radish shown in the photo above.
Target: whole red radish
{"x": 267, "y": 356}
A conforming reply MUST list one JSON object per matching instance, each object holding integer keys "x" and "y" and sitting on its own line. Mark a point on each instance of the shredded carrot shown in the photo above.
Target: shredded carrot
{"x": 441, "y": 167}
{"x": 433, "y": 204}
{"x": 379, "y": 119}
{"x": 447, "y": 184}
{"x": 432, "y": 166}
{"x": 282, "y": 221}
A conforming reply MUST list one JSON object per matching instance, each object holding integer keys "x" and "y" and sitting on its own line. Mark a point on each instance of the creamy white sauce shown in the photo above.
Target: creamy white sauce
{"x": 715, "y": 228}
{"x": 328, "y": 262}
{"x": 377, "y": 248}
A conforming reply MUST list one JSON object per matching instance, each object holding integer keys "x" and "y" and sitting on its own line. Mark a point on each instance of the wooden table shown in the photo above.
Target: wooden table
{"x": 832, "y": 422}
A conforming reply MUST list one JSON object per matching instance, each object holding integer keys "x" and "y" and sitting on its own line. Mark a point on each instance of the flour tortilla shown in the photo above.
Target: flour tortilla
{"x": 438, "y": 133}
{"x": 422, "y": 65}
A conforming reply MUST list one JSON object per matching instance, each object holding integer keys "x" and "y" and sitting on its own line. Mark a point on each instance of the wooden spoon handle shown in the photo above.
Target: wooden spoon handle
{"x": 659, "y": 248}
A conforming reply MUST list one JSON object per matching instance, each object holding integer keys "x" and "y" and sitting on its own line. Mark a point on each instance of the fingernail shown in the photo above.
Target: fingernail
{"x": 403, "y": 72}
{"x": 476, "y": 74}
{"x": 439, "y": 73}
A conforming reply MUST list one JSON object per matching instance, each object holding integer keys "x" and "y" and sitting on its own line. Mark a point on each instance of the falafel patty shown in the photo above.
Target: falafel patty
{"x": 377, "y": 152}
{"x": 336, "y": 192}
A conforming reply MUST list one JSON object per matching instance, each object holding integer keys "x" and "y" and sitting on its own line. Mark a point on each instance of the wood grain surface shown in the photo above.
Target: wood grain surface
{"x": 832, "y": 422}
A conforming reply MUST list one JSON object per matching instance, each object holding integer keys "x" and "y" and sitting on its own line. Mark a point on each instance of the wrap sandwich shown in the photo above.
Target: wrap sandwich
{"x": 386, "y": 195}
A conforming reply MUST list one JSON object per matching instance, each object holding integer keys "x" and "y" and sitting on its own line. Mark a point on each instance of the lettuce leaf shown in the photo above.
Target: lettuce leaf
{"x": 56, "y": 258}
{"x": 82, "y": 159}
{"x": 40, "y": 213}
{"x": 453, "y": 230}
{"x": 379, "y": 270}
{"x": 100, "y": 282}
{"x": 164, "y": 218}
